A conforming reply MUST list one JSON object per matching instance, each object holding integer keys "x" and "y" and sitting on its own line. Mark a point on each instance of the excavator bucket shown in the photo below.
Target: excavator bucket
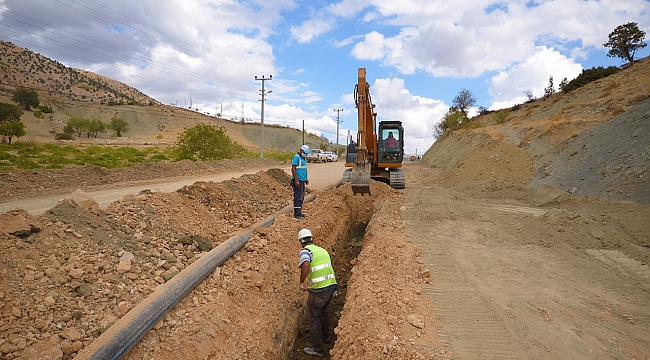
{"x": 360, "y": 179}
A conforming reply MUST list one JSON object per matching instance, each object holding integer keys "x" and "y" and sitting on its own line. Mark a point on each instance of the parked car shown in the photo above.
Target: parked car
{"x": 316, "y": 155}
{"x": 331, "y": 156}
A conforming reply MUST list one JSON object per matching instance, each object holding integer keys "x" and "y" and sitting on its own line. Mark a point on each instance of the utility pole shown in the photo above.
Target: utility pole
{"x": 338, "y": 121}
{"x": 303, "y": 131}
{"x": 263, "y": 93}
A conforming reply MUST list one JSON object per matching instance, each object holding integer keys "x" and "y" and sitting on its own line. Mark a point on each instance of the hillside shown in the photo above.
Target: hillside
{"x": 75, "y": 92}
{"x": 593, "y": 140}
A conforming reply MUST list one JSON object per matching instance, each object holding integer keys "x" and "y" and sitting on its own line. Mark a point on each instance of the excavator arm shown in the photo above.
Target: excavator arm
{"x": 366, "y": 139}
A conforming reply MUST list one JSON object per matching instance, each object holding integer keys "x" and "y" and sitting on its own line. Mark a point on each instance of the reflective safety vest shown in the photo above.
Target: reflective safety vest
{"x": 301, "y": 167}
{"x": 321, "y": 272}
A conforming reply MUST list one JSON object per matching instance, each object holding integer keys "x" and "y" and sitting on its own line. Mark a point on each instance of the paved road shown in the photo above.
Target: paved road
{"x": 321, "y": 176}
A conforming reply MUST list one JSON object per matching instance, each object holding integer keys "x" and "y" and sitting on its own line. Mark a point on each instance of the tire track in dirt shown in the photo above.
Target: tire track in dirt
{"x": 473, "y": 329}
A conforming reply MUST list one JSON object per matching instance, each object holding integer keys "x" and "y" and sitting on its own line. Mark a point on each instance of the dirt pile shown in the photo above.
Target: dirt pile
{"x": 70, "y": 274}
{"x": 19, "y": 184}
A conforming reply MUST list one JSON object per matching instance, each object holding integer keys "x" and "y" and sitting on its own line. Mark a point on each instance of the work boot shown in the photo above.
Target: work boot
{"x": 312, "y": 352}
{"x": 297, "y": 213}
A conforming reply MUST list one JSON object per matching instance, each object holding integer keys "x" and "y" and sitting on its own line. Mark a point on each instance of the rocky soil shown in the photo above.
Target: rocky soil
{"x": 521, "y": 240}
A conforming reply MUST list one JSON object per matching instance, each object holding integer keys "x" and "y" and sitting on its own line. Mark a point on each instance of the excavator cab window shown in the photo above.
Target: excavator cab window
{"x": 390, "y": 143}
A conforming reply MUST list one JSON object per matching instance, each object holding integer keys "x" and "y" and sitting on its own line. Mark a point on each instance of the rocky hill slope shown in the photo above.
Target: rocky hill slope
{"x": 594, "y": 140}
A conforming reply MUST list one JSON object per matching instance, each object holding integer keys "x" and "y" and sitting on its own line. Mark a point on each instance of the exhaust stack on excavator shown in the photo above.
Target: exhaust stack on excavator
{"x": 379, "y": 152}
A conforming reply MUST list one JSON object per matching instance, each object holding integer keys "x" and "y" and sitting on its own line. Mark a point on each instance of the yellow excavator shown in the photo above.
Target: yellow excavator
{"x": 378, "y": 152}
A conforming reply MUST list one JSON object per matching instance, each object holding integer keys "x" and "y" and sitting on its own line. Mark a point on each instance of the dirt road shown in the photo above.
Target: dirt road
{"x": 530, "y": 274}
{"x": 322, "y": 175}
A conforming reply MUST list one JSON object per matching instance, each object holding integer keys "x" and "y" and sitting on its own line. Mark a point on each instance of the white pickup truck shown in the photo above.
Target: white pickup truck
{"x": 316, "y": 155}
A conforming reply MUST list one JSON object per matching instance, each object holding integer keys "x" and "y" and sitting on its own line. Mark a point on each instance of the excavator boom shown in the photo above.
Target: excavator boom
{"x": 360, "y": 177}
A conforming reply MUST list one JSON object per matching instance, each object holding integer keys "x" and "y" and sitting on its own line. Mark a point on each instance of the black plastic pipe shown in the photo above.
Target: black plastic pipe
{"x": 116, "y": 342}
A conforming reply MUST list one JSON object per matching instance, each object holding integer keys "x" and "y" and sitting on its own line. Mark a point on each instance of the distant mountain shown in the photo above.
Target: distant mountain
{"x": 74, "y": 92}
{"x": 20, "y": 67}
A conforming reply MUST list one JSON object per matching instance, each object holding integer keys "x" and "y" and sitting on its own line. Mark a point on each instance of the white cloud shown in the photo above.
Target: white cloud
{"x": 310, "y": 29}
{"x": 371, "y": 48}
{"x": 418, "y": 114}
{"x": 463, "y": 40}
{"x": 508, "y": 87}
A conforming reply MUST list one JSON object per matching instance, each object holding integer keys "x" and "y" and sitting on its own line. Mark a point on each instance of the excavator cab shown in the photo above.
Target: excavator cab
{"x": 390, "y": 145}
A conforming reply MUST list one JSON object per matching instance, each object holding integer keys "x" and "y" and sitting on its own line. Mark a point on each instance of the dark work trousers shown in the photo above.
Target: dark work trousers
{"x": 298, "y": 198}
{"x": 319, "y": 320}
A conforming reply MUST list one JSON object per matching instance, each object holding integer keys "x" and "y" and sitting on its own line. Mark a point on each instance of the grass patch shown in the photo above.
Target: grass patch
{"x": 277, "y": 155}
{"x": 25, "y": 156}
{"x": 53, "y": 156}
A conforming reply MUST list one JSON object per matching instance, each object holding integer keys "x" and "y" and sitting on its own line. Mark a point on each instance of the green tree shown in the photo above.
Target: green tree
{"x": 12, "y": 128}
{"x": 9, "y": 112}
{"x": 27, "y": 98}
{"x": 38, "y": 114}
{"x": 119, "y": 126}
{"x": 625, "y": 40}
{"x": 206, "y": 142}
{"x": 464, "y": 101}
{"x": 95, "y": 126}
{"x": 563, "y": 84}
{"x": 10, "y": 124}
{"x": 76, "y": 125}
{"x": 550, "y": 89}
{"x": 452, "y": 120}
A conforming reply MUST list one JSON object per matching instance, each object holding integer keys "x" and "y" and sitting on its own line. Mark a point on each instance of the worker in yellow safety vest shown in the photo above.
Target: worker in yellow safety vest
{"x": 317, "y": 276}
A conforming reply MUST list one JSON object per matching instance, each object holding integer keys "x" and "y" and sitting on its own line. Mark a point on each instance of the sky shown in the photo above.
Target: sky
{"x": 418, "y": 54}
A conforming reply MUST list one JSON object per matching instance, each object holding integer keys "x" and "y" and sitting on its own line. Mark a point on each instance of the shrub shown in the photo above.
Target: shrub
{"x": 63, "y": 136}
{"x": 589, "y": 75}
{"x": 501, "y": 116}
{"x": 206, "y": 142}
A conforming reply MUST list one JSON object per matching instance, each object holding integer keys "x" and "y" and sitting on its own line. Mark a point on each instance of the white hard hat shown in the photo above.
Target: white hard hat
{"x": 304, "y": 233}
{"x": 305, "y": 149}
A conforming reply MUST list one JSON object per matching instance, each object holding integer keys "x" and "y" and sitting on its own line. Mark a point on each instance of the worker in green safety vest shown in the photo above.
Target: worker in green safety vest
{"x": 317, "y": 276}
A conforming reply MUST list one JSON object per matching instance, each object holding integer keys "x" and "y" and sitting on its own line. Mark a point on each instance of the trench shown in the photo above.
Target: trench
{"x": 346, "y": 249}
{"x": 120, "y": 338}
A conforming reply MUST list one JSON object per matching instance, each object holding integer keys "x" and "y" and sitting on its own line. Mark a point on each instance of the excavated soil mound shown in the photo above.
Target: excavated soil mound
{"x": 18, "y": 184}
{"x": 468, "y": 156}
{"x": 68, "y": 275}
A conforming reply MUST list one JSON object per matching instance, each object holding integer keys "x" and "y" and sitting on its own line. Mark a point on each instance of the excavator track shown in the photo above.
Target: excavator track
{"x": 397, "y": 178}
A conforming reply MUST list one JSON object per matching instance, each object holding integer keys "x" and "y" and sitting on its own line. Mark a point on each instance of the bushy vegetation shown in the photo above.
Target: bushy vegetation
{"x": 10, "y": 123}
{"x": 27, "y": 98}
{"x": 92, "y": 127}
{"x": 456, "y": 118}
{"x": 206, "y": 142}
{"x": 55, "y": 156}
{"x": 45, "y": 109}
{"x": 589, "y": 75}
